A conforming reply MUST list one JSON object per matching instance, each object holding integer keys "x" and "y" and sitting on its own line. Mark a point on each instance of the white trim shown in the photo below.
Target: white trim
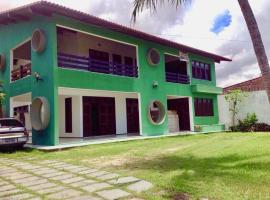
{"x": 106, "y": 38}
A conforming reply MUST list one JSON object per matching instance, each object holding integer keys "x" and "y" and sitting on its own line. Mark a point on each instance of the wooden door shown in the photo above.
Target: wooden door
{"x": 87, "y": 117}
{"x": 132, "y": 106}
{"x": 107, "y": 122}
{"x": 98, "y": 116}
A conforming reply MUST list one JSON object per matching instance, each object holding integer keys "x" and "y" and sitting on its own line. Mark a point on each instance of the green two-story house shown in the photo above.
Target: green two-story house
{"x": 67, "y": 74}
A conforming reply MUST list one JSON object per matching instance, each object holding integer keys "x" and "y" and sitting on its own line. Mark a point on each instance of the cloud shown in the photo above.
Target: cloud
{"x": 221, "y": 21}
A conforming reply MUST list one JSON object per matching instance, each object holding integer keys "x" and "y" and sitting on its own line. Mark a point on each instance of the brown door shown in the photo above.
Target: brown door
{"x": 98, "y": 116}
{"x": 133, "y": 125}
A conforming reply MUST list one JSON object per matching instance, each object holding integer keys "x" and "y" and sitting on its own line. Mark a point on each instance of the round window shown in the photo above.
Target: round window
{"x": 153, "y": 56}
{"x": 156, "y": 113}
{"x": 40, "y": 113}
{"x": 38, "y": 41}
{"x": 2, "y": 62}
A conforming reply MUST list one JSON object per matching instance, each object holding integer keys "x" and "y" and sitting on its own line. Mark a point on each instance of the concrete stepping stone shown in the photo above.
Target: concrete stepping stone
{"x": 18, "y": 176}
{"x": 42, "y": 186}
{"x": 124, "y": 180}
{"x": 62, "y": 177}
{"x": 108, "y": 176}
{"x": 6, "y": 188}
{"x": 140, "y": 186}
{"x": 87, "y": 197}
{"x": 78, "y": 169}
{"x": 96, "y": 186}
{"x": 19, "y": 196}
{"x": 83, "y": 183}
{"x": 48, "y": 162}
{"x": 36, "y": 182}
{"x": 51, "y": 190}
{"x": 47, "y": 171}
{"x": 73, "y": 180}
{"x": 97, "y": 174}
{"x": 9, "y": 192}
{"x": 113, "y": 194}
{"x": 26, "y": 180}
{"x": 64, "y": 194}
{"x": 88, "y": 171}
{"x": 50, "y": 175}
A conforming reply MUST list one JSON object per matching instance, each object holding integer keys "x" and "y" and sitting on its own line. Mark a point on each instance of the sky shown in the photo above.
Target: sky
{"x": 210, "y": 25}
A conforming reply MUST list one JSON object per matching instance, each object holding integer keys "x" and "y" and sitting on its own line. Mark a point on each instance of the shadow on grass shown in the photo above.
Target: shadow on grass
{"x": 12, "y": 150}
{"x": 190, "y": 174}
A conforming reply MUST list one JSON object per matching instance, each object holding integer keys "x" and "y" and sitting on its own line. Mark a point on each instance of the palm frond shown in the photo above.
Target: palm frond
{"x": 140, "y": 5}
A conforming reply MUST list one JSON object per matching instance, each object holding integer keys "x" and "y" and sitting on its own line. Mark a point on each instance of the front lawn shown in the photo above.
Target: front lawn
{"x": 217, "y": 166}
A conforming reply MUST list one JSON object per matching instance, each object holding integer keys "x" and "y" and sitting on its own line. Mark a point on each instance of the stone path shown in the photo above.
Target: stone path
{"x": 51, "y": 179}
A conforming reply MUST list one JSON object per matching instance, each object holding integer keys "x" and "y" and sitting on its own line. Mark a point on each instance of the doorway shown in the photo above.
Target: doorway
{"x": 98, "y": 116}
{"x": 180, "y": 108}
{"x": 133, "y": 124}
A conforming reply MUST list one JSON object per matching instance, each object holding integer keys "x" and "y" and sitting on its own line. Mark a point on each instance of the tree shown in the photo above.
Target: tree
{"x": 140, "y": 5}
{"x": 234, "y": 98}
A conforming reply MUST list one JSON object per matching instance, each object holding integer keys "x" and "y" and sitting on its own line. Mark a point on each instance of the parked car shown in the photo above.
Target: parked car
{"x": 12, "y": 133}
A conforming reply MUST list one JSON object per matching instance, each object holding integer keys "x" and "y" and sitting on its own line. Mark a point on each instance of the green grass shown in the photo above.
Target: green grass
{"x": 217, "y": 166}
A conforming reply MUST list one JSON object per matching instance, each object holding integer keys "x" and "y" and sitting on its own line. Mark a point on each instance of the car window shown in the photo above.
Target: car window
{"x": 10, "y": 123}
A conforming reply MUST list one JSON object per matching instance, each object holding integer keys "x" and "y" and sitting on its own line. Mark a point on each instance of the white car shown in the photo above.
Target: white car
{"x": 12, "y": 133}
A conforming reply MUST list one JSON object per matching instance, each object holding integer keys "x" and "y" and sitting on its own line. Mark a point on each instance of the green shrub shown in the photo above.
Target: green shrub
{"x": 247, "y": 124}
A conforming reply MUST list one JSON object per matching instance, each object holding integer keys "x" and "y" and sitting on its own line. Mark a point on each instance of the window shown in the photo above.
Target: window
{"x": 68, "y": 115}
{"x": 128, "y": 61}
{"x": 203, "y": 107}
{"x": 201, "y": 70}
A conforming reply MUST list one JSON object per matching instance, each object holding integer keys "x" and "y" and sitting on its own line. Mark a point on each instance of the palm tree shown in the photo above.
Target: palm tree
{"x": 140, "y": 5}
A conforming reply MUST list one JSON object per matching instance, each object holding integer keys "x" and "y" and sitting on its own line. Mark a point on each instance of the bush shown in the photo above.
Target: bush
{"x": 261, "y": 127}
{"x": 246, "y": 125}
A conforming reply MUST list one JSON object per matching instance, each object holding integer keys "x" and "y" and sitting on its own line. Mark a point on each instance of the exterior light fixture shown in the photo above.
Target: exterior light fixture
{"x": 37, "y": 76}
{"x": 155, "y": 84}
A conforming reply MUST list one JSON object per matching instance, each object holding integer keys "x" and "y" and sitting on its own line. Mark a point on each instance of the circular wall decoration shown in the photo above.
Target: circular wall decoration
{"x": 153, "y": 56}
{"x": 38, "y": 40}
{"x": 40, "y": 113}
{"x": 156, "y": 112}
{"x": 2, "y": 62}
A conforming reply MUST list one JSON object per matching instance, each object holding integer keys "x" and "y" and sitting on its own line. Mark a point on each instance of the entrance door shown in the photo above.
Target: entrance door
{"x": 133, "y": 125}
{"x": 98, "y": 116}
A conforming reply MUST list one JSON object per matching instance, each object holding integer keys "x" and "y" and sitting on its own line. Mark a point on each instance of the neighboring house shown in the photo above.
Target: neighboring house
{"x": 83, "y": 76}
{"x": 256, "y": 101}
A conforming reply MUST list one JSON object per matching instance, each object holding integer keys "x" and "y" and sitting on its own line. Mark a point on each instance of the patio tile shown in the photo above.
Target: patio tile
{"x": 96, "y": 186}
{"x": 124, "y": 180}
{"x": 113, "y": 194}
{"x": 26, "y": 180}
{"x": 64, "y": 194}
{"x": 87, "y": 197}
{"x": 140, "y": 186}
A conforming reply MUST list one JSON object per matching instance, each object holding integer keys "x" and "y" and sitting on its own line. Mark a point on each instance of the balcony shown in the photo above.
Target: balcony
{"x": 21, "y": 72}
{"x": 94, "y": 65}
{"x": 177, "y": 78}
{"x": 176, "y": 70}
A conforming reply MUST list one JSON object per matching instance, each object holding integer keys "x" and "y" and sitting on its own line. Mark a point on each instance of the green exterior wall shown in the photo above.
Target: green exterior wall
{"x": 54, "y": 77}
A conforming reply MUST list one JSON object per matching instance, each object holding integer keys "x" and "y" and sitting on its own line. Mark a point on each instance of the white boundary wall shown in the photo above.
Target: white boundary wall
{"x": 255, "y": 102}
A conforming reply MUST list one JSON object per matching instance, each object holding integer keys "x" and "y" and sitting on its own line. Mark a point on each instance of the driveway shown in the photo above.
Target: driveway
{"x": 50, "y": 179}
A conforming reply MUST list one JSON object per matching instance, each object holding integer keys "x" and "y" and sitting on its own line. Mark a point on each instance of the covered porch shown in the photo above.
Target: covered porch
{"x": 95, "y": 114}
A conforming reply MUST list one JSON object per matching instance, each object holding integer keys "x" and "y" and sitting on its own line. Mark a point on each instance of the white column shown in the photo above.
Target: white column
{"x": 190, "y": 103}
{"x": 121, "y": 114}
